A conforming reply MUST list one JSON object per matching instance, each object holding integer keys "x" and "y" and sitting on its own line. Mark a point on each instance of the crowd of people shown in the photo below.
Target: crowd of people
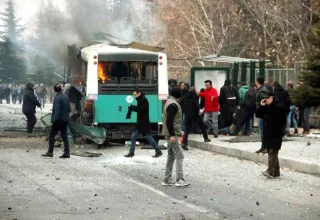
{"x": 14, "y": 93}
{"x": 232, "y": 110}
{"x": 228, "y": 112}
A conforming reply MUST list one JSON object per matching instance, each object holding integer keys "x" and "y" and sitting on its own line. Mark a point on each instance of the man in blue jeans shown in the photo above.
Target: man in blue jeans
{"x": 143, "y": 123}
{"x": 261, "y": 93}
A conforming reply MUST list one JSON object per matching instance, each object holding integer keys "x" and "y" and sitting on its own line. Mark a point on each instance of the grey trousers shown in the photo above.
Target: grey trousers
{"x": 214, "y": 124}
{"x": 175, "y": 152}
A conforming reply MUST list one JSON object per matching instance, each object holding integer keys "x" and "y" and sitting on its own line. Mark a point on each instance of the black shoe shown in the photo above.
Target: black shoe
{"x": 184, "y": 147}
{"x": 207, "y": 140}
{"x": 48, "y": 154}
{"x": 215, "y": 135}
{"x": 65, "y": 156}
{"x": 260, "y": 151}
{"x": 158, "y": 154}
{"x": 130, "y": 154}
{"x": 296, "y": 131}
{"x": 287, "y": 134}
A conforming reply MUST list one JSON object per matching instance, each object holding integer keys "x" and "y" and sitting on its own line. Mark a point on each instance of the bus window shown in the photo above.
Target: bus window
{"x": 134, "y": 71}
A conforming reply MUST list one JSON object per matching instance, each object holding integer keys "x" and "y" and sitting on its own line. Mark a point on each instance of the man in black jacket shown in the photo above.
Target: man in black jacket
{"x": 60, "y": 119}
{"x": 143, "y": 123}
{"x": 261, "y": 92}
{"x": 247, "y": 110}
{"x": 191, "y": 108}
{"x": 273, "y": 114}
{"x": 29, "y": 107}
{"x": 228, "y": 100}
{"x": 284, "y": 99}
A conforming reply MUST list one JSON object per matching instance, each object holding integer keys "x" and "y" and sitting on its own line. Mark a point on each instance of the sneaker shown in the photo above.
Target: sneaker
{"x": 158, "y": 154}
{"x": 65, "y": 156}
{"x": 184, "y": 147}
{"x": 207, "y": 140}
{"x": 265, "y": 173}
{"x": 48, "y": 154}
{"x": 169, "y": 183}
{"x": 181, "y": 183}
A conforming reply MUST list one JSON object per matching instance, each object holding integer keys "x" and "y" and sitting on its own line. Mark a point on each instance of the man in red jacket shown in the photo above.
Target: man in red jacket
{"x": 211, "y": 107}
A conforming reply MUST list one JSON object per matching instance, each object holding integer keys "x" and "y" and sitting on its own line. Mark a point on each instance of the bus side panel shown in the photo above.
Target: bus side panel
{"x": 113, "y": 109}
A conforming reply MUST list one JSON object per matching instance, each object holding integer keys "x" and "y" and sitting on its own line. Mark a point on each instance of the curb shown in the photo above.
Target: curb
{"x": 298, "y": 165}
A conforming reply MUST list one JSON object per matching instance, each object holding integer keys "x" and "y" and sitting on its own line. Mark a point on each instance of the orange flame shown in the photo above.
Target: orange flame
{"x": 101, "y": 74}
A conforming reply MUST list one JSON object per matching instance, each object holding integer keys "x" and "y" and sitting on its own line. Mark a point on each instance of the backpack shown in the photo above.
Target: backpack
{"x": 231, "y": 97}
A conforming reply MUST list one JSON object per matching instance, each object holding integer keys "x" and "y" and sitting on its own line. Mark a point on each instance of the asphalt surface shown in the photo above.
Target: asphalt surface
{"x": 114, "y": 187}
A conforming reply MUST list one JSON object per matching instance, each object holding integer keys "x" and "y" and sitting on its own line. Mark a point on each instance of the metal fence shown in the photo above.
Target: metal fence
{"x": 283, "y": 76}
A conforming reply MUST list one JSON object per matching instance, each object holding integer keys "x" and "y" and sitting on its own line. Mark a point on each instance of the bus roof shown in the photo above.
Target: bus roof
{"x": 106, "y": 48}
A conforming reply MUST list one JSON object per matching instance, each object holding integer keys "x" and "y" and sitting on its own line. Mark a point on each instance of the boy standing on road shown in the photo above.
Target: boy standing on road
{"x": 172, "y": 118}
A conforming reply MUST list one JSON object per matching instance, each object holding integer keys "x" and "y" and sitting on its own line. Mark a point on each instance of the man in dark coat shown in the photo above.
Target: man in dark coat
{"x": 60, "y": 119}
{"x": 284, "y": 99}
{"x": 29, "y": 107}
{"x": 7, "y": 92}
{"x": 247, "y": 110}
{"x": 190, "y": 104}
{"x": 184, "y": 91}
{"x": 143, "y": 123}
{"x": 261, "y": 91}
{"x": 273, "y": 114}
{"x": 1, "y": 93}
{"x": 228, "y": 99}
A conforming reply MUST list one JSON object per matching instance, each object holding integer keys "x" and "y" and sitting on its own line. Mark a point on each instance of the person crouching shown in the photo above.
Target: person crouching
{"x": 273, "y": 114}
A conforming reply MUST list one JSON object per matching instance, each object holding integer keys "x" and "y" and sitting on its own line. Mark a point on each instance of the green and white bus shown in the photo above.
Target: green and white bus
{"x": 109, "y": 74}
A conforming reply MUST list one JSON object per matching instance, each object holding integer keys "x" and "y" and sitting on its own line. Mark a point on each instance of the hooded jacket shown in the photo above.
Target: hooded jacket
{"x": 190, "y": 105}
{"x": 283, "y": 97}
{"x": 242, "y": 91}
{"x": 30, "y": 101}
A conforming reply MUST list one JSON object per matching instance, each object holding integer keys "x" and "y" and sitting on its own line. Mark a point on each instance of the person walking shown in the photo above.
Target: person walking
{"x": 304, "y": 113}
{"x": 190, "y": 102}
{"x": 42, "y": 91}
{"x": 1, "y": 93}
{"x": 261, "y": 92}
{"x": 29, "y": 107}
{"x": 292, "y": 112}
{"x": 172, "y": 117}
{"x": 143, "y": 123}
{"x": 20, "y": 93}
{"x": 59, "y": 119}
{"x": 247, "y": 110}
{"x": 211, "y": 107}
{"x": 274, "y": 116}
{"x": 184, "y": 91}
{"x": 228, "y": 100}
{"x": 7, "y": 92}
{"x": 14, "y": 94}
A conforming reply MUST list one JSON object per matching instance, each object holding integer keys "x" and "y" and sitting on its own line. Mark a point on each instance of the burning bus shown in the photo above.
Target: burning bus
{"x": 107, "y": 74}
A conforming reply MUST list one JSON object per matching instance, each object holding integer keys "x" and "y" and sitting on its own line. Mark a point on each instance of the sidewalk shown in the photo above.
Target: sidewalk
{"x": 298, "y": 153}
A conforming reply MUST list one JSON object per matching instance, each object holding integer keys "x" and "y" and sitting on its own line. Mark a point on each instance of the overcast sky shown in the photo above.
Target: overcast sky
{"x": 26, "y": 10}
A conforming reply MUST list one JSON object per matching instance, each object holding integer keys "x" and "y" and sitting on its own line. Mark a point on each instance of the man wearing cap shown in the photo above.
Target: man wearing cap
{"x": 274, "y": 118}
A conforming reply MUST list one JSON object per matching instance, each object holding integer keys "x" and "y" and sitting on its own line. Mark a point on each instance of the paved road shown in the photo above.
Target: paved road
{"x": 114, "y": 187}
